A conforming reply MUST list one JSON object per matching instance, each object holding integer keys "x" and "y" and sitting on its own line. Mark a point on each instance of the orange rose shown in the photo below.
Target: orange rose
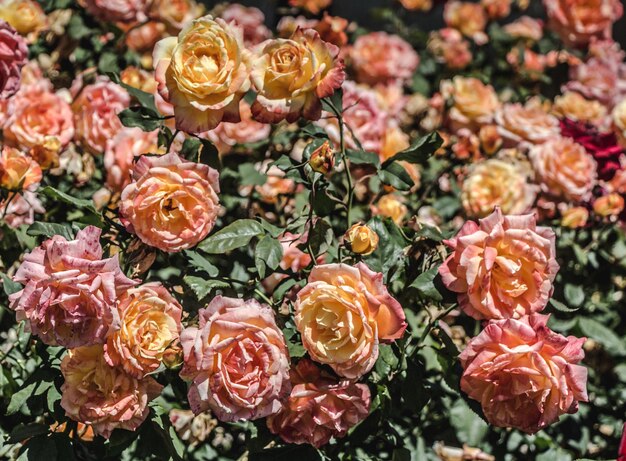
{"x": 609, "y": 205}
{"x": 313, "y": 6}
{"x": 469, "y": 18}
{"x": 575, "y": 217}
{"x": 18, "y": 171}
{"x": 473, "y": 102}
{"x": 574, "y": 106}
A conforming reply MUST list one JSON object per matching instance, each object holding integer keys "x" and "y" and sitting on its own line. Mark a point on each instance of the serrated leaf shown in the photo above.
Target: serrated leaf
{"x": 140, "y": 117}
{"x": 268, "y": 253}
{"x": 56, "y": 194}
{"x": 360, "y": 157}
{"x": 612, "y": 343}
{"x": 200, "y": 262}
{"x": 559, "y": 306}
{"x": 424, "y": 284}
{"x": 48, "y": 229}
{"x": 20, "y": 397}
{"x": 202, "y": 287}
{"x": 395, "y": 175}
{"x": 419, "y": 151}
{"x": 574, "y": 294}
{"x": 9, "y": 285}
{"x": 145, "y": 99}
{"x": 231, "y": 237}
{"x": 470, "y": 428}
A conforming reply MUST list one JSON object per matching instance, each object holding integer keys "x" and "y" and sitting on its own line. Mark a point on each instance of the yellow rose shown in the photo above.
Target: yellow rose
{"x": 575, "y": 217}
{"x": 292, "y": 75}
{"x": 203, "y": 73}
{"x": 609, "y": 205}
{"x": 575, "y": 107}
{"x": 26, "y": 16}
{"x": 18, "y": 171}
{"x": 473, "y": 102}
{"x": 361, "y": 239}
{"x": 390, "y": 206}
{"x": 495, "y": 183}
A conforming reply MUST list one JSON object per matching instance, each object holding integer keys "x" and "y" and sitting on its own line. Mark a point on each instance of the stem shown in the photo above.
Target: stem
{"x": 261, "y": 295}
{"x": 8, "y": 202}
{"x": 346, "y": 167}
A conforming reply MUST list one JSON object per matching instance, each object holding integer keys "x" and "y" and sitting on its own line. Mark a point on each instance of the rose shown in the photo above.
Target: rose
{"x": 26, "y": 16}
{"x": 501, "y": 268}
{"x": 564, "y": 169}
{"x": 236, "y": 360}
{"x": 313, "y": 6}
{"x": 70, "y": 290}
{"x": 575, "y": 217}
{"x": 609, "y": 205}
{"x": 18, "y": 171}
{"x": 361, "y": 239}
{"x": 450, "y": 48}
{"x": 525, "y": 27}
{"x": 147, "y": 322}
{"x": 618, "y": 117}
{"x": 171, "y": 204}
{"x": 524, "y": 124}
{"x": 120, "y": 154}
{"x": 524, "y": 375}
{"x": 390, "y": 206}
{"x": 291, "y": 76}
{"x": 103, "y": 396}
{"x": 95, "y": 114}
{"x": 473, "y": 102}
{"x": 576, "y": 107}
{"x": 332, "y": 29}
{"x": 577, "y": 21}
{"x": 36, "y": 116}
{"x": 251, "y": 20}
{"x": 191, "y": 428}
{"x": 497, "y": 183}
{"x": 379, "y": 57}
{"x": 13, "y": 56}
{"x": 423, "y": 5}
{"x": 319, "y": 407}
{"x": 276, "y": 186}
{"x": 175, "y": 13}
{"x": 204, "y": 73}
{"x": 343, "y": 313}
{"x": 21, "y": 209}
{"x": 117, "y": 10}
{"x": 497, "y": 9}
{"x": 596, "y": 79}
{"x": 469, "y": 18}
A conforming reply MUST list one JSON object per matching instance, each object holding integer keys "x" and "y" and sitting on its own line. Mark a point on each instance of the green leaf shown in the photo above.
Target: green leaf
{"x": 311, "y": 147}
{"x": 48, "y": 229}
{"x": 424, "y": 284}
{"x": 419, "y": 151}
{"x": 233, "y": 236}
{"x": 202, "y": 287}
{"x": 470, "y": 428}
{"x": 250, "y": 176}
{"x": 141, "y": 117}
{"x": 360, "y": 157}
{"x": 56, "y": 194}
{"x": 287, "y": 453}
{"x": 559, "y": 306}
{"x": 320, "y": 237}
{"x": 574, "y": 294}
{"x": 9, "y": 285}
{"x": 20, "y": 397}
{"x": 395, "y": 175}
{"x": 401, "y": 454}
{"x": 39, "y": 448}
{"x": 612, "y": 343}
{"x": 23, "y": 432}
{"x": 323, "y": 205}
{"x": 268, "y": 254}
{"x": 145, "y": 99}
{"x": 200, "y": 262}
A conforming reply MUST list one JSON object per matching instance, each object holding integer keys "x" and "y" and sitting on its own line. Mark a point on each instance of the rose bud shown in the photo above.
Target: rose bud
{"x": 609, "y": 205}
{"x": 173, "y": 356}
{"x": 360, "y": 239}
{"x": 323, "y": 158}
{"x": 575, "y": 217}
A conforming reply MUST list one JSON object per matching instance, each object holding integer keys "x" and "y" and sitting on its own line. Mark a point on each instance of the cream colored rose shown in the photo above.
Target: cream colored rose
{"x": 564, "y": 169}
{"x": 473, "y": 102}
{"x": 203, "y": 73}
{"x": 147, "y": 322}
{"x": 343, "y": 313}
{"x": 495, "y": 183}
{"x": 292, "y": 75}
{"x": 574, "y": 106}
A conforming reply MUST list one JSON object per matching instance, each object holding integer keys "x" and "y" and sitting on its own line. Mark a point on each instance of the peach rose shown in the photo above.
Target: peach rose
{"x": 237, "y": 361}
{"x": 120, "y": 154}
{"x": 70, "y": 290}
{"x": 292, "y": 75}
{"x": 175, "y": 14}
{"x": 171, "y": 204}
{"x": 96, "y": 110}
{"x": 596, "y": 79}
{"x": 204, "y": 73}
{"x": 497, "y": 183}
{"x": 497, "y": 9}
{"x": 608, "y": 205}
{"x": 251, "y": 20}
{"x": 473, "y": 102}
{"x": 332, "y": 29}
{"x": 420, "y": 5}
{"x": 313, "y": 6}
{"x": 575, "y": 217}
{"x": 103, "y": 396}
{"x": 143, "y": 37}
{"x": 501, "y": 268}
{"x": 18, "y": 171}
{"x": 390, "y": 206}
{"x": 116, "y": 10}
{"x": 577, "y": 21}
{"x": 618, "y": 116}
{"x": 523, "y": 374}
{"x": 564, "y": 169}
{"x": 248, "y": 130}
{"x": 13, "y": 56}
{"x": 147, "y": 322}
{"x": 20, "y": 210}
{"x": 379, "y": 57}
{"x": 529, "y": 123}
{"x": 36, "y": 116}
{"x": 469, "y": 18}
{"x": 526, "y": 28}
{"x": 319, "y": 407}
{"x": 276, "y": 185}
{"x": 574, "y": 106}
{"x": 26, "y": 16}
{"x": 450, "y": 48}
{"x": 490, "y": 139}
{"x": 343, "y": 313}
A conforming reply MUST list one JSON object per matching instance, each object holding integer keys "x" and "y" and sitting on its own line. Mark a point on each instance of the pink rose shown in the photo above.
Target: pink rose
{"x": 147, "y": 322}
{"x": 95, "y": 114}
{"x": 21, "y": 209}
{"x": 13, "y": 56}
{"x": 597, "y": 79}
{"x": 117, "y": 10}
{"x": 525, "y": 27}
{"x": 319, "y": 407}
{"x": 36, "y": 115}
{"x": 120, "y": 154}
{"x": 450, "y": 48}
{"x": 237, "y": 361}
{"x": 102, "y": 396}
{"x": 70, "y": 290}
{"x": 577, "y": 21}
{"x": 501, "y": 268}
{"x": 343, "y": 313}
{"x": 526, "y": 124}
{"x": 524, "y": 375}
{"x": 248, "y": 130}
{"x": 171, "y": 204}
{"x": 379, "y": 57}
{"x": 564, "y": 169}
{"x": 251, "y": 20}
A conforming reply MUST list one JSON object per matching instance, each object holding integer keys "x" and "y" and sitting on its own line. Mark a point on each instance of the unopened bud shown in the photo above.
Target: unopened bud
{"x": 323, "y": 158}
{"x": 361, "y": 239}
{"x": 173, "y": 356}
